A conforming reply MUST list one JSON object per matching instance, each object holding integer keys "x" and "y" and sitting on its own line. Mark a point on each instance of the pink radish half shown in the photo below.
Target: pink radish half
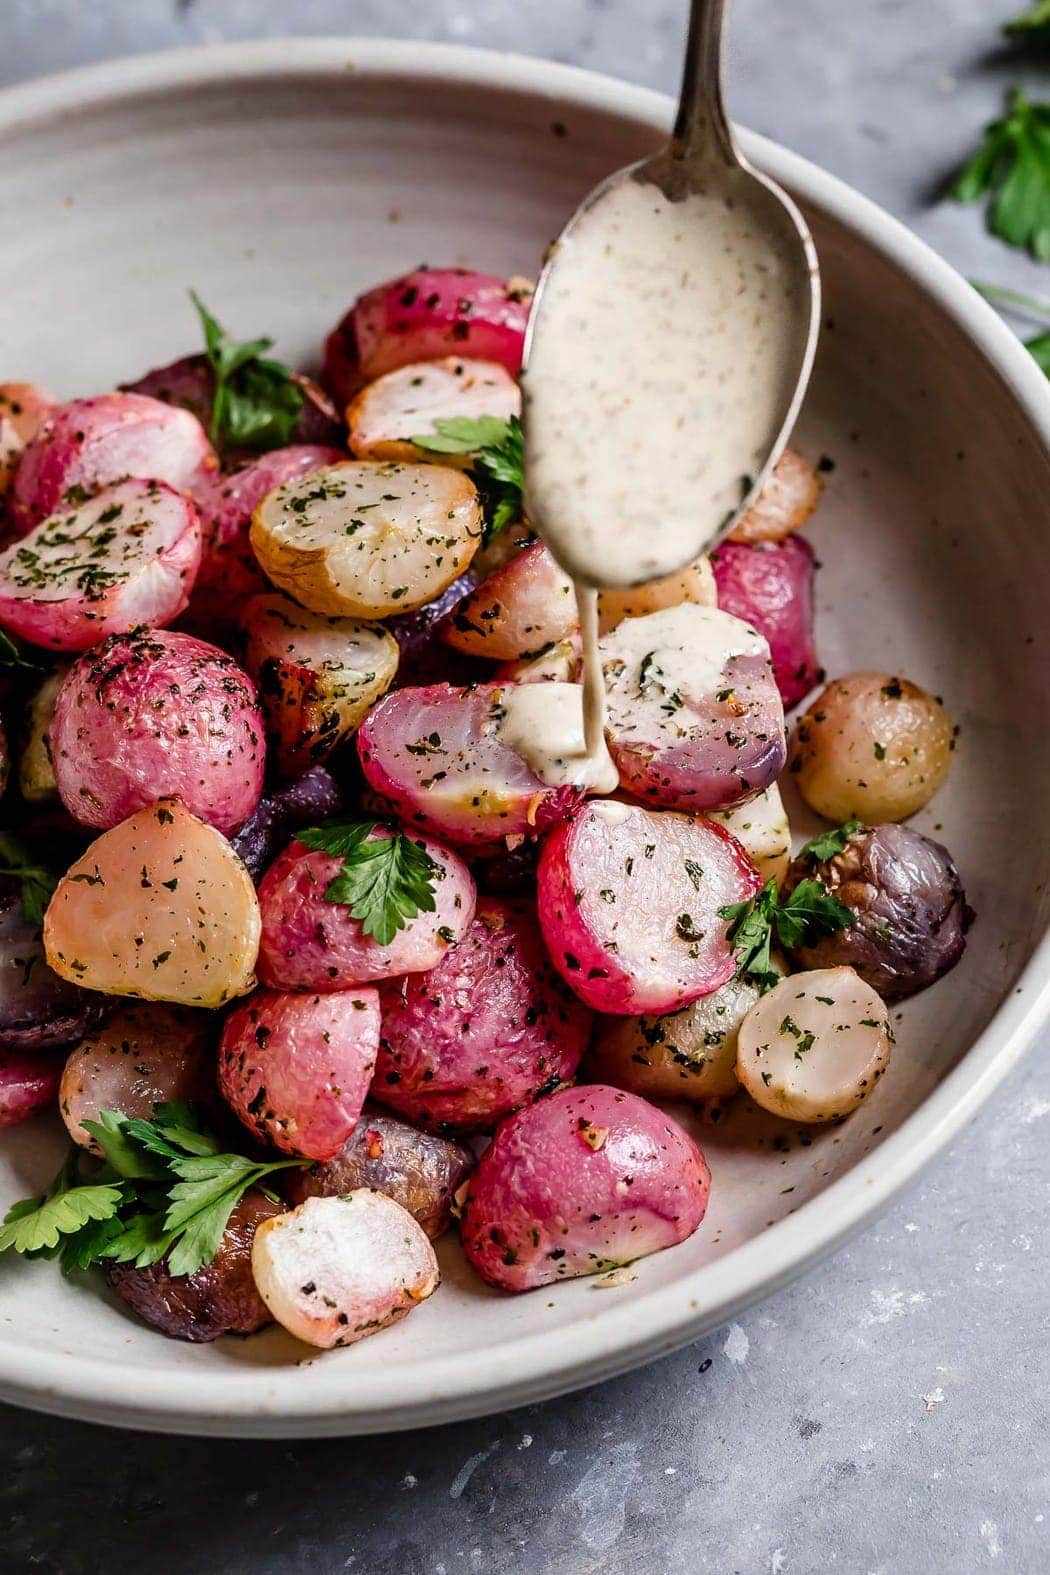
{"x": 88, "y": 443}
{"x": 578, "y": 1183}
{"x": 628, "y": 904}
{"x": 436, "y": 754}
{"x": 423, "y": 316}
{"x": 127, "y": 556}
{"x": 28, "y": 1083}
{"x": 770, "y": 585}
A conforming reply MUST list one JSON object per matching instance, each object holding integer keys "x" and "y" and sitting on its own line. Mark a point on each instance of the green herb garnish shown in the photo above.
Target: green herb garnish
{"x": 384, "y": 882}
{"x": 829, "y": 843}
{"x": 257, "y": 401}
{"x": 12, "y": 657}
{"x": 1033, "y": 24}
{"x": 498, "y": 464}
{"x": 1013, "y": 165}
{"x": 38, "y": 884}
{"x": 806, "y": 915}
{"x": 165, "y": 1189}
{"x": 1040, "y": 349}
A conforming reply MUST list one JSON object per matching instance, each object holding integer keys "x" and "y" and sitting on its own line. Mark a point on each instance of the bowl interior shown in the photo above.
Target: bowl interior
{"x": 279, "y": 198}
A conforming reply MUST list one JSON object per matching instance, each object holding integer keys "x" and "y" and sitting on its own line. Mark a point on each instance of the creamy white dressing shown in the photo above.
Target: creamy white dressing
{"x": 663, "y": 357}
{"x": 544, "y": 724}
{"x": 685, "y": 648}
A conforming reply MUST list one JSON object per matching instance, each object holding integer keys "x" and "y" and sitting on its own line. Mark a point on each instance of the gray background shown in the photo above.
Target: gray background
{"x": 886, "y": 1415}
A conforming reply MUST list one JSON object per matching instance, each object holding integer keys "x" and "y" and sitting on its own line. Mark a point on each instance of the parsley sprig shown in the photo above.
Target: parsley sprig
{"x": 829, "y": 843}
{"x": 807, "y": 914}
{"x": 1013, "y": 165}
{"x": 37, "y": 883}
{"x": 257, "y": 401}
{"x": 498, "y": 464}
{"x": 384, "y": 881}
{"x": 166, "y": 1189}
{"x": 11, "y": 657}
{"x": 1033, "y": 24}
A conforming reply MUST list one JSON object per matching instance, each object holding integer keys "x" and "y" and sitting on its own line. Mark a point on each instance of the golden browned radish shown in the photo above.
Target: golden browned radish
{"x": 785, "y": 502}
{"x": 813, "y": 1047}
{"x": 365, "y": 540}
{"x": 159, "y": 907}
{"x": 872, "y": 746}
{"x": 36, "y": 773}
{"x": 694, "y": 583}
{"x": 407, "y": 403}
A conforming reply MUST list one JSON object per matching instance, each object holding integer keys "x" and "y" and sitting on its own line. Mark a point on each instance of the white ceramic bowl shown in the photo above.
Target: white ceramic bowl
{"x": 279, "y": 179}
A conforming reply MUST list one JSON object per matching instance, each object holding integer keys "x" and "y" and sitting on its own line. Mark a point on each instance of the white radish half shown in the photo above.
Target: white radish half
{"x": 386, "y": 415}
{"x": 127, "y": 556}
{"x": 365, "y": 540}
{"x": 814, "y": 1047}
{"x": 339, "y": 1268}
{"x": 694, "y": 583}
{"x": 695, "y": 720}
{"x": 762, "y": 830}
{"x": 160, "y": 907}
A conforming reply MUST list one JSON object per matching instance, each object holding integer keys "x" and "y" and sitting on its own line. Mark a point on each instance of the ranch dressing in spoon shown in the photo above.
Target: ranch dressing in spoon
{"x": 669, "y": 347}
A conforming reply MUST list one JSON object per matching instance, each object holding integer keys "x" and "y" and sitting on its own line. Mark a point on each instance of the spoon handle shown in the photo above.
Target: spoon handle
{"x": 702, "y": 131}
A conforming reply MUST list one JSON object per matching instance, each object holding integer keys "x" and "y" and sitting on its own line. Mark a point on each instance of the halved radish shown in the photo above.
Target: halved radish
{"x": 160, "y": 907}
{"x": 402, "y": 405}
{"x": 555, "y": 664}
{"x": 522, "y": 607}
{"x": 437, "y": 755}
{"x": 762, "y": 830}
{"x": 317, "y": 676}
{"x": 422, "y": 316}
{"x": 127, "y": 556}
{"x": 23, "y": 410}
{"x": 89, "y": 443}
{"x": 694, "y": 716}
{"x": 770, "y": 585}
{"x": 785, "y": 502}
{"x": 694, "y": 583}
{"x": 364, "y": 540}
{"x": 629, "y": 906}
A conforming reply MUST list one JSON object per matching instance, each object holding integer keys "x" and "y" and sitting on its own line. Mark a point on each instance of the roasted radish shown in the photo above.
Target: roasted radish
{"x": 770, "y": 586}
{"x": 337, "y": 1269}
{"x": 28, "y": 1084}
{"x": 785, "y": 503}
{"x": 694, "y": 583}
{"x": 364, "y": 540}
{"x": 160, "y": 907}
{"x": 36, "y": 773}
{"x": 154, "y": 713}
{"x": 318, "y": 677}
{"x": 386, "y": 415}
{"x": 127, "y": 556}
{"x": 424, "y": 316}
{"x": 521, "y": 608}
{"x": 89, "y": 443}
{"x": 23, "y": 410}
{"x": 296, "y": 1068}
{"x": 761, "y": 828}
{"x": 813, "y": 1047}
{"x": 438, "y": 755}
{"x": 586, "y": 1180}
{"x": 694, "y": 718}
{"x": 482, "y": 1033}
{"x": 629, "y": 904}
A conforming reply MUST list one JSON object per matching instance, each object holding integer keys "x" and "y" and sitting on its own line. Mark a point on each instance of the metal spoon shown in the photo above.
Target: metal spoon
{"x": 669, "y": 346}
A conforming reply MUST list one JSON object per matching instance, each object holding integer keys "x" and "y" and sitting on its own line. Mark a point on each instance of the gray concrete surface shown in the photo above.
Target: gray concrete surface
{"x": 889, "y": 1414}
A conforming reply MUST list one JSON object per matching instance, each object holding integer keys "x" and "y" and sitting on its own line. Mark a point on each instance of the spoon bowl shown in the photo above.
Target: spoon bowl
{"x": 669, "y": 347}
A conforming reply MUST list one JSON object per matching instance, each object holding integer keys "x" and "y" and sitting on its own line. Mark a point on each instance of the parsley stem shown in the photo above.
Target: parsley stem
{"x": 1014, "y": 300}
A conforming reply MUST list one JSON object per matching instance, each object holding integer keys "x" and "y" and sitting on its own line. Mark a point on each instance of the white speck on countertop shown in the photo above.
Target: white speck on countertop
{"x": 556, "y": 1457}
{"x": 526, "y": 1441}
{"x": 1034, "y": 1110}
{"x": 933, "y": 1399}
{"x": 777, "y": 1561}
{"x": 408, "y": 1481}
{"x": 737, "y": 1345}
{"x": 888, "y": 1303}
{"x": 468, "y": 1468}
{"x": 989, "y": 1534}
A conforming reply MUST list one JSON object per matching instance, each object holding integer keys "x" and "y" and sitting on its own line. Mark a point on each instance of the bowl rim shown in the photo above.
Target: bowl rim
{"x": 260, "y": 1401}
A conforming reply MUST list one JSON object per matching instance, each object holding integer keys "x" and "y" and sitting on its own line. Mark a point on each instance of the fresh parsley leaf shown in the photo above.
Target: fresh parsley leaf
{"x": 1033, "y": 24}
{"x": 12, "y": 657}
{"x": 829, "y": 843}
{"x": 257, "y": 401}
{"x": 805, "y": 915}
{"x": 175, "y": 1130}
{"x": 123, "y": 1156}
{"x": 384, "y": 882}
{"x": 1013, "y": 166}
{"x": 201, "y": 1202}
{"x": 34, "y": 1226}
{"x": 1040, "y": 349}
{"x": 38, "y": 883}
{"x": 498, "y": 468}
